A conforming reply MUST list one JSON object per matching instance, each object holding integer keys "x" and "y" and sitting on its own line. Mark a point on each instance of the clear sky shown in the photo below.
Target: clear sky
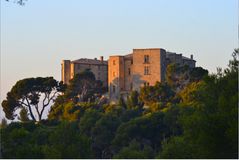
{"x": 37, "y": 36}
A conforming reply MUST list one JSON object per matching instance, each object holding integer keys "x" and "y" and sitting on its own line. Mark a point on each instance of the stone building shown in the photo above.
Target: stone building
{"x": 123, "y": 74}
{"x": 140, "y": 68}
{"x": 98, "y": 67}
{"x": 179, "y": 59}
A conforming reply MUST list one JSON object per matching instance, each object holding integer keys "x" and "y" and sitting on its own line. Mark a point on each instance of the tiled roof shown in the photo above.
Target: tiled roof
{"x": 90, "y": 61}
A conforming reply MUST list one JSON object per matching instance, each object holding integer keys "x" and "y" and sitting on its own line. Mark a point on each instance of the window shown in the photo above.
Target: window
{"x": 99, "y": 67}
{"x": 131, "y": 61}
{"x": 146, "y": 58}
{"x": 129, "y": 71}
{"x": 113, "y": 62}
{"x": 146, "y": 70}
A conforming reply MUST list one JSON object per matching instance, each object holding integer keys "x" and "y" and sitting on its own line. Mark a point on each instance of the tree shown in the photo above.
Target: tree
{"x": 102, "y": 134}
{"x": 82, "y": 92}
{"x": 16, "y": 141}
{"x": 178, "y": 76}
{"x": 84, "y": 87}
{"x": 72, "y": 112}
{"x": 211, "y": 129}
{"x": 33, "y": 94}
{"x": 150, "y": 129}
{"x": 67, "y": 142}
{"x": 88, "y": 120}
{"x": 197, "y": 74}
{"x": 57, "y": 108}
{"x": 191, "y": 95}
{"x": 23, "y": 115}
{"x": 135, "y": 150}
{"x": 176, "y": 148}
{"x": 133, "y": 101}
{"x": 28, "y": 140}
{"x": 160, "y": 92}
{"x": 122, "y": 102}
{"x": 170, "y": 72}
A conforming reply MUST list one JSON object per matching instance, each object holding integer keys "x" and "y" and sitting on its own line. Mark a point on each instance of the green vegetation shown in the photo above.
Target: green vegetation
{"x": 191, "y": 115}
{"x": 27, "y": 93}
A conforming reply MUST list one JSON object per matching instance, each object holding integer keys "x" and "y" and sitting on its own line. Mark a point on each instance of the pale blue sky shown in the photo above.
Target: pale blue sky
{"x": 37, "y": 36}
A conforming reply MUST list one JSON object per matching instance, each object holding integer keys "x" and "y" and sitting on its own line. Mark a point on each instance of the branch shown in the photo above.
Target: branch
{"x": 54, "y": 94}
{"x": 43, "y": 103}
{"x": 36, "y": 106}
{"x": 84, "y": 91}
{"x": 49, "y": 100}
{"x": 29, "y": 107}
{"x": 22, "y": 102}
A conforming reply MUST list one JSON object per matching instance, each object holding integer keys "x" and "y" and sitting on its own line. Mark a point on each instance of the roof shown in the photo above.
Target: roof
{"x": 184, "y": 58}
{"x": 90, "y": 61}
{"x": 147, "y": 48}
{"x": 189, "y": 59}
{"x": 128, "y": 56}
{"x": 170, "y": 53}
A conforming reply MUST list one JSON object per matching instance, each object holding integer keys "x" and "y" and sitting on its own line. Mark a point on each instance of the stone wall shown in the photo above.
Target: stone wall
{"x": 115, "y": 76}
{"x": 155, "y": 65}
{"x": 100, "y": 71}
{"x": 69, "y": 69}
{"x": 127, "y": 73}
{"x": 65, "y": 71}
{"x": 130, "y": 72}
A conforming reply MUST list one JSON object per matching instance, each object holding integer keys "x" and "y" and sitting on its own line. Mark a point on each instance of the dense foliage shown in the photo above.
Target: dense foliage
{"x": 83, "y": 92}
{"x": 198, "y": 119}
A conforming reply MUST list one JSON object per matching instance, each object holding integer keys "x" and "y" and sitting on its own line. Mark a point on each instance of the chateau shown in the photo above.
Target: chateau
{"x": 98, "y": 67}
{"x": 123, "y": 74}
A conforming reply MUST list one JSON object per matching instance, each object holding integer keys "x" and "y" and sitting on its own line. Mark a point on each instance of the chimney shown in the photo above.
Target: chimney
{"x": 95, "y": 58}
{"x": 101, "y": 58}
{"x": 191, "y": 56}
